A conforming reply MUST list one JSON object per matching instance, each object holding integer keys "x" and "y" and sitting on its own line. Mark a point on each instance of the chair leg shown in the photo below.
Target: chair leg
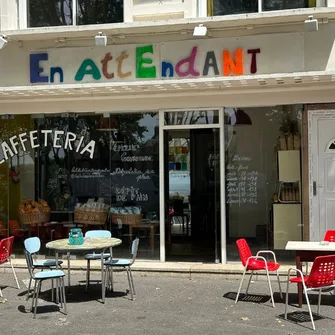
{"x": 130, "y": 287}
{"x": 239, "y": 289}
{"x": 286, "y": 298}
{"x": 37, "y": 293}
{"x": 319, "y": 302}
{"x": 29, "y": 286}
{"x": 63, "y": 293}
{"x": 309, "y": 309}
{"x": 270, "y": 288}
{"x": 103, "y": 284}
{"x": 246, "y": 291}
{"x": 52, "y": 290}
{"x": 88, "y": 274}
{"x": 34, "y": 295}
{"x": 1, "y": 293}
{"x": 132, "y": 281}
{"x": 17, "y": 282}
{"x": 281, "y": 293}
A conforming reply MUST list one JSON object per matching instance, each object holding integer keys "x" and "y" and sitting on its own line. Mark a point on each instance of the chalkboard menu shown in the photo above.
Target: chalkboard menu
{"x": 134, "y": 176}
{"x": 241, "y": 181}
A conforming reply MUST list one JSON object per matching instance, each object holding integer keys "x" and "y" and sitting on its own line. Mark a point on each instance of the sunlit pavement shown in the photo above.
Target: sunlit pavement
{"x": 164, "y": 304}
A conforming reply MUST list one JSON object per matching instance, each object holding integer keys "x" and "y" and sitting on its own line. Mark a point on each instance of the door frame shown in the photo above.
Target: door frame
{"x": 162, "y": 128}
{"x": 313, "y": 167}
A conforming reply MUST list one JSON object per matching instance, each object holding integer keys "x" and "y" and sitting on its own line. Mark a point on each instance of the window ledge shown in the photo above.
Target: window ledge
{"x": 283, "y": 17}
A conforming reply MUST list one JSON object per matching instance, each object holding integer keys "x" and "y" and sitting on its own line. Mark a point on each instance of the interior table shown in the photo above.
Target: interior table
{"x": 90, "y": 244}
{"x": 152, "y": 225}
{"x": 307, "y": 252}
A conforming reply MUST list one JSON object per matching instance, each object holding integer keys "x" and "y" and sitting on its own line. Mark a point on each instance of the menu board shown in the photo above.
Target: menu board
{"x": 241, "y": 181}
{"x": 134, "y": 177}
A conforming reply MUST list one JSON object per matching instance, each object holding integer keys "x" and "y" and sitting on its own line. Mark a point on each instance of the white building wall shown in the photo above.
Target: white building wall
{"x": 8, "y": 15}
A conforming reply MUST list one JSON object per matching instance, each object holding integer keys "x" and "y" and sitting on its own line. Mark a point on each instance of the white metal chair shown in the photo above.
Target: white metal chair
{"x": 94, "y": 256}
{"x": 122, "y": 263}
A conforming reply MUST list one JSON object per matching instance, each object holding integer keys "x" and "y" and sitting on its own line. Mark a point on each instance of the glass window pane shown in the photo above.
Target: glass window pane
{"x": 285, "y": 4}
{"x": 224, "y": 7}
{"x": 43, "y": 13}
{"x": 99, "y": 11}
{"x": 263, "y": 176}
{"x": 191, "y": 117}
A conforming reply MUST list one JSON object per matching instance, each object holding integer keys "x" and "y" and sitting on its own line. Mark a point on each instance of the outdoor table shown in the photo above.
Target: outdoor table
{"x": 90, "y": 244}
{"x": 307, "y": 252}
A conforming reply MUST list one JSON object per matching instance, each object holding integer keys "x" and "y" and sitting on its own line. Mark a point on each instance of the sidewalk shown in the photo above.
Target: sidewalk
{"x": 159, "y": 267}
{"x": 165, "y": 305}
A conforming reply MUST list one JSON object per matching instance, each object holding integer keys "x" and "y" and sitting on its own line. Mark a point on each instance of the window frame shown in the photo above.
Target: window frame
{"x": 319, "y": 3}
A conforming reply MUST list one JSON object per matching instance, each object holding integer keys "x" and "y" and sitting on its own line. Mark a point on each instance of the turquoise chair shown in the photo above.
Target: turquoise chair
{"x": 94, "y": 256}
{"x": 123, "y": 263}
{"x": 33, "y": 246}
{"x": 41, "y": 276}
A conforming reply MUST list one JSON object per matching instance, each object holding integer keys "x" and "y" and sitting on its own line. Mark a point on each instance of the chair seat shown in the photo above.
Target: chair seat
{"x": 118, "y": 262}
{"x": 298, "y": 279}
{"x": 255, "y": 264}
{"x": 49, "y": 274}
{"x": 45, "y": 263}
{"x": 96, "y": 256}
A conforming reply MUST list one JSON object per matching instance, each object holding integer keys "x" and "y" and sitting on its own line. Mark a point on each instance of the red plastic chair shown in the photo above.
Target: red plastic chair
{"x": 321, "y": 277}
{"x": 6, "y": 248}
{"x": 15, "y": 230}
{"x": 256, "y": 263}
{"x": 329, "y": 236}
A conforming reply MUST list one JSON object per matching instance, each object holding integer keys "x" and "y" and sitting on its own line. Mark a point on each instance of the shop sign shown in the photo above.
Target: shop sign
{"x": 247, "y": 55}
{"x": 10, "y": 147}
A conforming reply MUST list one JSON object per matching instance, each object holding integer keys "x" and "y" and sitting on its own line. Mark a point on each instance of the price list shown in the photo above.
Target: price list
{"x": 241, "y": 183}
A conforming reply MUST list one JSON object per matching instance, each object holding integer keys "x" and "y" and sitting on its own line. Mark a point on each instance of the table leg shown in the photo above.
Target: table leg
{"x": 103, "y": 278}
{"x": 57, "y": 286}
{"x": 299, "y": 267}
{"x": 111, "y": 269}
{"x": 68, "y": 273}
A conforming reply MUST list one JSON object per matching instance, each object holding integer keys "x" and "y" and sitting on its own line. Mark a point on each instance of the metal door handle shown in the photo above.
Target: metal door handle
{"x": 314, "y": 188}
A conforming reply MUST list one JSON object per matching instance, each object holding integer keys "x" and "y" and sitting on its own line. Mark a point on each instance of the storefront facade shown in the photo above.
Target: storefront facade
{"x": 209, "y": 140}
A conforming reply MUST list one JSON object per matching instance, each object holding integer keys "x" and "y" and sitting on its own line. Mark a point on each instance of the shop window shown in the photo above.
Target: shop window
{"x": 230, "y": 7}
{"x": 60, "y": 170}
{"x": 263, "y": 176}
{"x": 42, "y": 13}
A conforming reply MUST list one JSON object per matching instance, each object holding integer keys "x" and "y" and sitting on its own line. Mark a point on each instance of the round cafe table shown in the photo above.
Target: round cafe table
{"x": 99, "y": 244}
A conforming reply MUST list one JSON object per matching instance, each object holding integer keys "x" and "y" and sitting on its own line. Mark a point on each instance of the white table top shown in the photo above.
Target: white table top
{"x": 90, "y": 243}
{"x": 310, "y": 246}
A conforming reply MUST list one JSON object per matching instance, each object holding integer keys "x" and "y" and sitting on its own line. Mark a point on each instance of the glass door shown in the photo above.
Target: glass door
{"x": 192, "y": 186}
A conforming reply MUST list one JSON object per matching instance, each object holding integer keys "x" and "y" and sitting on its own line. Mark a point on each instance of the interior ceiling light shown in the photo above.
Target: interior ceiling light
{"x": 3, "y": 41}
{"x": 311, "y": 24}
{"x": 201, "y": 30}
{"x": 100, "y": 40}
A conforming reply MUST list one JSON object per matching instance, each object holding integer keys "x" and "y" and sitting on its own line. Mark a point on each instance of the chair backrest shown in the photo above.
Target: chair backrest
{"x": 322, "y": 272}
{"x": 6, "y": 248}
{"x": 98, "y": 233}
{"x": 134, "y": 249}
{"x": 32, "y": 244}
{"x": 243, "y": 250}
{"x": 30, "y": 262}
{"x": 329, "y": 236}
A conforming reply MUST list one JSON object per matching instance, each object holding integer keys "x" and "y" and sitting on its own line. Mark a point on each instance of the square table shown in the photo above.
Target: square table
{"x": 306, "y": 251}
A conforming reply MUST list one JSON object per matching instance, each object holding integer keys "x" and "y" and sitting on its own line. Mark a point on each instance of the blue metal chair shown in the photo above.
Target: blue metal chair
{"x": 33, "y": 246}
{"x": 123, "y": 263}
{"x": 94, "y": 256}
{"x": 39, "y": 277}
